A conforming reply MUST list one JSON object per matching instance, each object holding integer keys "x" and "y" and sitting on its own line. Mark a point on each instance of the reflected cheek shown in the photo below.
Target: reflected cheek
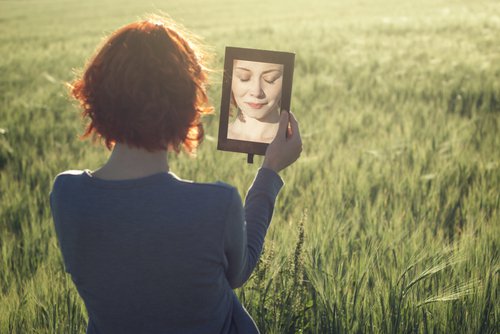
{"x": 273, "y": 93}
{"x": 239, "y": 89}
{"x": 237, "y": 97}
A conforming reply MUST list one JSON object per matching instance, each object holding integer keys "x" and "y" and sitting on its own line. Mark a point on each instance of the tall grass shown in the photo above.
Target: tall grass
{"x": 388, "y": 223}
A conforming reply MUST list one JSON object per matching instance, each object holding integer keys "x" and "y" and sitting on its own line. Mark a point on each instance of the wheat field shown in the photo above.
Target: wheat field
{"x": 388, "y": 223}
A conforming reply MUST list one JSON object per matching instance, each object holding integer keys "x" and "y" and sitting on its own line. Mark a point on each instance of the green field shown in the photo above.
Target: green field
{"x": 388, "y": 223}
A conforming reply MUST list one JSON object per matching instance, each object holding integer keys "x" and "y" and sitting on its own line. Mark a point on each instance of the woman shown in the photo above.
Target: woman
{"x": 147, "y": 251}
{"x": 256, "y": 93}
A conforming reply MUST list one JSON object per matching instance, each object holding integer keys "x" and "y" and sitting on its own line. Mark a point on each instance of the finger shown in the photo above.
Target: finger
{"x": 294, "y": 125}
{"x": 283, "y": 125}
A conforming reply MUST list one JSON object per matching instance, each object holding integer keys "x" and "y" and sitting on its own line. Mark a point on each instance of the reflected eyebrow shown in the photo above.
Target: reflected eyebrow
{"x": 267, "y": 71}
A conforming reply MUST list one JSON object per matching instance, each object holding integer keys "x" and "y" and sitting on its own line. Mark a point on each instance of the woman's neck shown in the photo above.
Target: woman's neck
{"x": 128, "y": 162}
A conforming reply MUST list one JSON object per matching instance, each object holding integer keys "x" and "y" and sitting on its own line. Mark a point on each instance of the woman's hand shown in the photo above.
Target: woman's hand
{"x": 286, "y": 146}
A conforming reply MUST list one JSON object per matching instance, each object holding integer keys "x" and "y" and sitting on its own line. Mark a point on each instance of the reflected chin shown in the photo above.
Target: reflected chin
{"x": 260, "y": 114}
{"x": 255, "y": 113}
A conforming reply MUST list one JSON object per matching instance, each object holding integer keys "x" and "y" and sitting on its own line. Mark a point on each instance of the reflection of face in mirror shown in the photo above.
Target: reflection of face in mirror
{"x": 256, "y": 95}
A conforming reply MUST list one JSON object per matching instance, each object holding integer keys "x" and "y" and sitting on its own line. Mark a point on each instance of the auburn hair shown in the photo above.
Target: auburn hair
{"x": 145, "y": 87}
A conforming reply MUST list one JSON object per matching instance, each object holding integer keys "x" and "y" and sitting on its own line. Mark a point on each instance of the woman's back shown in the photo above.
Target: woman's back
{"x": 149, "y": 254}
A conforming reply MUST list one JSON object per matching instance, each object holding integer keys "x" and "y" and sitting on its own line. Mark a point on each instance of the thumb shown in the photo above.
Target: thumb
{"x": 283, "y": 125}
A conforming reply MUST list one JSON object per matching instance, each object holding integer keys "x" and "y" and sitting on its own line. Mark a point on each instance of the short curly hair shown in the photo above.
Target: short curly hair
{"x": 145, "y": 87}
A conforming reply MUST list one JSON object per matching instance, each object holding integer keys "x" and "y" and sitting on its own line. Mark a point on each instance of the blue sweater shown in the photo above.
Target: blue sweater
{"x": 159, "y": 254}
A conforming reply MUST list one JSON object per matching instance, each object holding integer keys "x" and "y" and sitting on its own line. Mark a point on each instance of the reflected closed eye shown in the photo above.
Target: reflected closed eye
{"x": 271, "y": 80}
{"x": 243, "y": 77}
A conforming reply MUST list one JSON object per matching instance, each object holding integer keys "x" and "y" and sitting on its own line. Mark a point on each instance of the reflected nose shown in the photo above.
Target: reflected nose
{"x": 256, "y": 89}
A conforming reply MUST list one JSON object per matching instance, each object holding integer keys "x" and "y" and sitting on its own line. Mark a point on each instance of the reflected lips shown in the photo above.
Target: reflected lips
{"x": 256, "y": 105}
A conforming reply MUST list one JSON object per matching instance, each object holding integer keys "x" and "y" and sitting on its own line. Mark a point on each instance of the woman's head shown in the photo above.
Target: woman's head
{"x": 256, "y": 88}
{"x": 145, "y": 87}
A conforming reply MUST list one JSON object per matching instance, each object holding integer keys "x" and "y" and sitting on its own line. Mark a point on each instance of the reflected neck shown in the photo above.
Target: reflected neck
{"x": 254, "y": 130}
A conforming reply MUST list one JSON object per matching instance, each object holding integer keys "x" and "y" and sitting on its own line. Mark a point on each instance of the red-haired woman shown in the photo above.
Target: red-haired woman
{"x": 147, "y": 251}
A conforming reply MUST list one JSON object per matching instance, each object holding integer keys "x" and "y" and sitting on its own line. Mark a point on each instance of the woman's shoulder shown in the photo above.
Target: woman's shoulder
{"x": 207, "y": 192}
{"x": 82, "y": 181}
{"x": 212, "y": 188}
{"x": 69, "y": 174}
{"x": 65, "y": 184}
{"x": 64, "y": 177}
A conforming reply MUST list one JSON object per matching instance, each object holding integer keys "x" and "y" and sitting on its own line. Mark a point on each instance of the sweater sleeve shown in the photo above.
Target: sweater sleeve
{"x": 55, "y": 199}
{"x": 246, "y": 227}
